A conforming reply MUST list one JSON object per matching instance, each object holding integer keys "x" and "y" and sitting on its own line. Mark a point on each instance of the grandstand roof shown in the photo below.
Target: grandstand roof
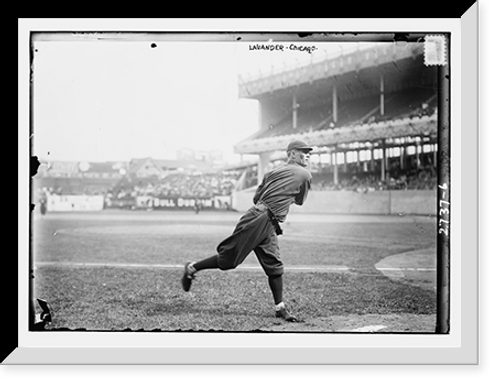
{"x": 408, "y": 85}
{"x": 394, "y": 60}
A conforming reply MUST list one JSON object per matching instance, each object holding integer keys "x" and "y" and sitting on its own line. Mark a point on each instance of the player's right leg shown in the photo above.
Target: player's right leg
{"x": 233, "y": 250}
{"x": 188, "y": 276}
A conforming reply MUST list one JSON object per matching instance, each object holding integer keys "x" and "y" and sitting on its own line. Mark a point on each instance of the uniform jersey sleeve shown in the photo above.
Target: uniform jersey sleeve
{"x": 260, "y": 190}
{"x": 304, "y": 190}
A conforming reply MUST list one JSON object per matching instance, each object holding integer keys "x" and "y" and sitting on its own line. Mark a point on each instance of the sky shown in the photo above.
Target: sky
{"x": 117, "y": 100}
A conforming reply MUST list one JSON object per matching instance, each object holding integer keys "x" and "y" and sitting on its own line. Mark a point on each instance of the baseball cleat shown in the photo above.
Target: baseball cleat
{"x": 285, "y": 315}
{"x": 187, "y": 277}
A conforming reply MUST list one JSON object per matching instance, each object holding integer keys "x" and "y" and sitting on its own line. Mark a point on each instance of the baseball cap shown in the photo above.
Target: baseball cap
{"x": 297, "y": 144}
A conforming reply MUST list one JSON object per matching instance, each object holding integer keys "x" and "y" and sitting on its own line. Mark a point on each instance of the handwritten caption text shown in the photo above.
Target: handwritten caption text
{"x": 282, "y": 47}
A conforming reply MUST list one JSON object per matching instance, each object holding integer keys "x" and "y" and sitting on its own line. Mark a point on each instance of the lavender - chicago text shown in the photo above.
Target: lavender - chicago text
{"x": 282, "y": 47}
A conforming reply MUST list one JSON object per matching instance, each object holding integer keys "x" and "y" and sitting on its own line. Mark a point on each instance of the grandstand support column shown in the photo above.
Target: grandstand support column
{"x": 417, "y": 151}
{"x": 335, "y": 168}
{"x": 294, "y": 111}
{"x": 264, "y": 159}
{"x": 334, "y": 107}
{"x": 382, "y": 107}
{"x": 402, "y": 157}
{"x": 382, "y": 162}
{"x": 388, "y": 155}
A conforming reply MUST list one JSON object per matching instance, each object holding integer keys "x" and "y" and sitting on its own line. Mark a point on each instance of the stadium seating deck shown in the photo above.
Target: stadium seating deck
{"x": 398, "y": 105}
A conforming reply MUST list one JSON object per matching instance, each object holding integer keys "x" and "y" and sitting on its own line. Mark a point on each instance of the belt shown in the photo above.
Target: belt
{"x": 273, "y": 219}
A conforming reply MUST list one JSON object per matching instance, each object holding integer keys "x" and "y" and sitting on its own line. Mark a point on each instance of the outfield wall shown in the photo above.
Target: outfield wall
{"x": 348, "y": 202}
{"x": 63, "y": 203}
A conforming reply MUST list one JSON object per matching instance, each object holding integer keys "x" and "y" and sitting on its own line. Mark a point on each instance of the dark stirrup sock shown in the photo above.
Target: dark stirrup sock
{"x": 207, "y": 263}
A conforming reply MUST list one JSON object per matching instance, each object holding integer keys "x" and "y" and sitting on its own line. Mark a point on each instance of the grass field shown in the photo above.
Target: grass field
{"x": 115, "y": 270}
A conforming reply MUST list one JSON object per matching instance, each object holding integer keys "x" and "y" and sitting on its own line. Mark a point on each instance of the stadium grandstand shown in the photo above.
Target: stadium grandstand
{"x": 140, "y": 183}
{"x": 67, "y": 177}
{"x": 371, "y": 115}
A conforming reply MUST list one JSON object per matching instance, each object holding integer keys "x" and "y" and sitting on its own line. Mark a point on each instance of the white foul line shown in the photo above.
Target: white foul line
{"x": 172, "y": 266}
{"x": 105, "y": 264}
{"x": 243, "y": 267}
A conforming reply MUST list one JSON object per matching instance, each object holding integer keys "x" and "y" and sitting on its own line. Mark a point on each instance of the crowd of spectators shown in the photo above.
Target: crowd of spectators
{"x": 420, "y": 179}
{"x": 224, "y": 183}
{"x": 424, "y": 110}
{"x": 70, "y": 186}
{"x": 177, "y": 185}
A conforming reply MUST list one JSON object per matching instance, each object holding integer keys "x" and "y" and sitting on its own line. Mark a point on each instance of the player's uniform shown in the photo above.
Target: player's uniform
{"x": 258, "y": 228}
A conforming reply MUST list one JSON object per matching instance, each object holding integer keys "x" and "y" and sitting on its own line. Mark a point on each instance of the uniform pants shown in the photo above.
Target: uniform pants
{"x": 253, "y": 232}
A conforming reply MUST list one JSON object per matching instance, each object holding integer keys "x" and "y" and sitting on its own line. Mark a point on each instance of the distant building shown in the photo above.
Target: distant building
{"x": 69, "y": 177}
{"x": 211, "y": 156}
{"x": 148, "y": 167}
{"x": 144, "y": 168}
{"x": 82, "y": 169}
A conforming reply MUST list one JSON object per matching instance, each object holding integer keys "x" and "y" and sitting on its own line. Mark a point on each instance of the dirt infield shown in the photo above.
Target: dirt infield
{"x": 114, "y": 270}
{"x": 417, "y": 267}
{"x": 367, "y": 323}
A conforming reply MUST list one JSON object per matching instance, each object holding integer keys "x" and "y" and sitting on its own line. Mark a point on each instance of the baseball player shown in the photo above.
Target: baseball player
{"x": 258, "y": 229}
